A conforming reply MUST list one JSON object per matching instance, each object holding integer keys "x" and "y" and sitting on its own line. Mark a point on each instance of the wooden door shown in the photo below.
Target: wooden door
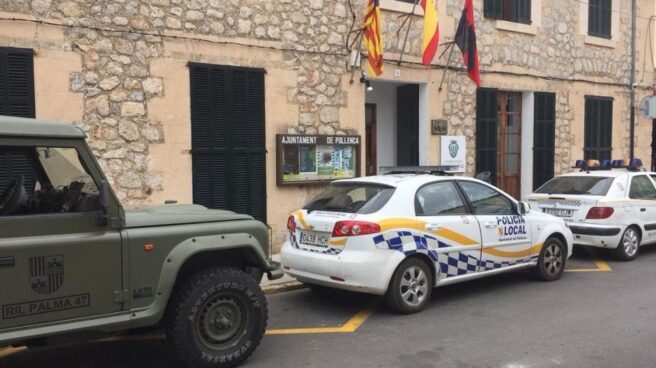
{"x": 510, "y": 143}
{"x": 371, "y": 164}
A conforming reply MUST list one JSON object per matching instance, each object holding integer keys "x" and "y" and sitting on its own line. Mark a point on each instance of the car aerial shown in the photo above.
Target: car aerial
{"x": 402, "y": 234}
{"x": 74, "y": 260}
{"x": 606, "y": 204}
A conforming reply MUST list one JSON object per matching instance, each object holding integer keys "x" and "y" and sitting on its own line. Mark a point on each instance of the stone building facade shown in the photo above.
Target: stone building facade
{"x": 119, "y": 70}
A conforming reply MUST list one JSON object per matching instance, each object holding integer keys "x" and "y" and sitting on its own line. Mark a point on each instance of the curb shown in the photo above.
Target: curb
{"x": 282, "y": 287}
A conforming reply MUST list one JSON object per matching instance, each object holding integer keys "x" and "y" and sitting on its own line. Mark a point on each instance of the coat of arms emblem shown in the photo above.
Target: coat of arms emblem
{"x": 453, "y": 149}
{"x": 46, "y": 273}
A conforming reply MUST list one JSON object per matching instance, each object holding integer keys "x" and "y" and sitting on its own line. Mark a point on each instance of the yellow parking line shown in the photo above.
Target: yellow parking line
{"x": 601, "y": 265}
{"x": 349, "y": 327}
{"x": 9, "y": 351}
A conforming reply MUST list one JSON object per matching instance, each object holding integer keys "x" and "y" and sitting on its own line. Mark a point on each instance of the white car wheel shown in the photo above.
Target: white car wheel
{"x": 411, "y": 286}
{"x": 629, "y": 246}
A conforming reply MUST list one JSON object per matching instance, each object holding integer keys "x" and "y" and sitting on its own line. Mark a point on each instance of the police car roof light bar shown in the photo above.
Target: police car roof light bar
{"x": 593, "y": 165}
{"x": 431, "y": 170}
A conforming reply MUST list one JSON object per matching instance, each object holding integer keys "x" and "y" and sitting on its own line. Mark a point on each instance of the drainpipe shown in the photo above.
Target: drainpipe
{"x": 633, "y": 78}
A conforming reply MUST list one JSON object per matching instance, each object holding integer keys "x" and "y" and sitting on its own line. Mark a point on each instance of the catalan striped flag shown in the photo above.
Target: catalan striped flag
{"x": 373, "y": 37}
{"x": 431, "y": 32}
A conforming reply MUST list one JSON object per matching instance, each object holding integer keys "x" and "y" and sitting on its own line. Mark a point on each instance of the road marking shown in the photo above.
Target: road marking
{"x": 350, "y": 326}
{"x": 601, "y": 266}
{"x": 9, "y": 351}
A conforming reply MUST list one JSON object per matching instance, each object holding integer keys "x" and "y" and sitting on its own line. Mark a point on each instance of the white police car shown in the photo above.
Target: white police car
{"x": 400, "y": 235}
{"x": 605, "y": 204}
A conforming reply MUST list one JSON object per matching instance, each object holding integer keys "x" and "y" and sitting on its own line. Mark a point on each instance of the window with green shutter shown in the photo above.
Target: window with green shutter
{"x": 544, "y": 138}
{"x": 487, "y": 131}
{"x": 598, "y": 137}
{"x": 518, "y": 11}
{"x": 17, "y": 82}
{"x": 16, "y": 99}
{"x": 228, "y": 138}
{"x": 599, "y": 18}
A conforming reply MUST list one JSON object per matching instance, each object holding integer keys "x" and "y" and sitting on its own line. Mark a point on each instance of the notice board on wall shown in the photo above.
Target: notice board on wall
{"x": 308, "y": 159}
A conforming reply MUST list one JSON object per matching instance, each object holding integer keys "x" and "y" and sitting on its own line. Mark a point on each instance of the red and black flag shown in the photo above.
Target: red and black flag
{"x": 466, "y": 40}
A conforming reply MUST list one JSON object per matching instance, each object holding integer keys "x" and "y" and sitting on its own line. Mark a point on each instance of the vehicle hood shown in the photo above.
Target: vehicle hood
{"x": 177, "y": 214}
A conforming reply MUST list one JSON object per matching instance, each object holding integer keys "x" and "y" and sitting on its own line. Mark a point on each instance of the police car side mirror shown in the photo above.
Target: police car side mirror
{"x": 523, "y": 208}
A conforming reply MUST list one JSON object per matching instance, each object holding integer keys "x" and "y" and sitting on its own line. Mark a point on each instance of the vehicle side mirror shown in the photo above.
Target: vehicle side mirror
{"x": 103, "y": 200}
{"x": 523, "y": 208}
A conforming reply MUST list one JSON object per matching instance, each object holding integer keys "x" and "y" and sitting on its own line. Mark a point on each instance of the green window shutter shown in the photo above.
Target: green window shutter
{"x": 487, "y": 131}
{"x": 492, "y": 9}
{"x": 599, "y": 18}
{"x": 598, "y": 129}
{"x": 17, "y": 82}
{"x": 524, "y": 11}
{"x": 544, "y": 138}
{"x": 228, "y": 138}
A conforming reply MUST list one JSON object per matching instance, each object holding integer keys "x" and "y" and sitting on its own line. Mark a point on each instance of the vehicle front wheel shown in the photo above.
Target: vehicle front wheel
{"x": 629, "y": 246}
{"x": 217, "y": 318}
{"x": 411, "y": 287}
{"x": 551, "y": 263}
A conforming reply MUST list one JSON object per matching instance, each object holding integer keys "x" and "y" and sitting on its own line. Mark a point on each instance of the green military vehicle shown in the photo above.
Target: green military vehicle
{"x": 73, "y": 260}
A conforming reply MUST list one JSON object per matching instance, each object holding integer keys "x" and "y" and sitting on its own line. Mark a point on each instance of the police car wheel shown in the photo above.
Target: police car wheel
{"x": 411, "y": 287}
{"x": 629, "y": 246}
{"x": 216, "y": 318}
{"x": 551, "y": 263}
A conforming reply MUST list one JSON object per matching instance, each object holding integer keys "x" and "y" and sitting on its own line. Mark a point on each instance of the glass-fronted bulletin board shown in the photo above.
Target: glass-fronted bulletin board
{"x": 309, "y": 159}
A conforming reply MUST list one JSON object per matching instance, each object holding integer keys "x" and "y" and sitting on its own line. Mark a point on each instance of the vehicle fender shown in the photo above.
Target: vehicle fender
{"x": 180, "y": 254}
{"x": 398, "y": 256}
{"x": 544, "y": 230}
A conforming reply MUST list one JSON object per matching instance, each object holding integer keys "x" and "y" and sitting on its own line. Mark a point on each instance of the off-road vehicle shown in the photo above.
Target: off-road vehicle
{"x": 74, "y": 260}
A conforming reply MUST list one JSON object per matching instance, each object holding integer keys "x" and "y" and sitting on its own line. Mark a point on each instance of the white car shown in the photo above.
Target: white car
{"x": 613, "y": 208}
{"x": 401, "y": 235}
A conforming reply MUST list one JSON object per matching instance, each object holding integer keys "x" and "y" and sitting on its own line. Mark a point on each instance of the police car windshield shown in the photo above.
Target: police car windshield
{"x": 360, "y": 198}
{"x": 583, "y": 185}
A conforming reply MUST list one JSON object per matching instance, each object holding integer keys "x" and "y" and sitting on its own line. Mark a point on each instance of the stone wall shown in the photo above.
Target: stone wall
{"x": 118, "y": 39}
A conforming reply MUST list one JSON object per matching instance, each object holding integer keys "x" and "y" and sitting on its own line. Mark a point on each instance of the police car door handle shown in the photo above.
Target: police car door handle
{"x": 433, "y": 227}
{"x": 491, "y": 225}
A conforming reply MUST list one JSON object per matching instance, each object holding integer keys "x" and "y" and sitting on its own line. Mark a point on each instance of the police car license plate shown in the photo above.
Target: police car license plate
{"x": 560, "y": 212}
{"x": 316, "y": 239}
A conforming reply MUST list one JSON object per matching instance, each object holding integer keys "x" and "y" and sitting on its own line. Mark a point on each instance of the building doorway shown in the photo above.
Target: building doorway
{"x": 395, "y": 113}
{"x": 515, "y": 138}
{"x": 510, "y": 143}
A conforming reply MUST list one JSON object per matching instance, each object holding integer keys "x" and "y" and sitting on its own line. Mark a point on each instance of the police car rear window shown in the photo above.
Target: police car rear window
{"x": 351, "y": 198}
{"x": 581, "y": 185}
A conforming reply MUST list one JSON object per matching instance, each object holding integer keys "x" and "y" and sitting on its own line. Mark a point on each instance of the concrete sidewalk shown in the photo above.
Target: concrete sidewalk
{"x": 286, "y": 283}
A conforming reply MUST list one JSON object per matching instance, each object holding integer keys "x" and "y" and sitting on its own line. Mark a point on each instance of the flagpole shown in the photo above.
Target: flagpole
{"x": 405, "y": 40}
{"x": 448, "y": 64}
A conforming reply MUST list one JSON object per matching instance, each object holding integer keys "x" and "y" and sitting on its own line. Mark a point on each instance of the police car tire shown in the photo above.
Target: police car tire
{"x": 188, "y": 305}
{"x": 394, "y": 299}
{"x": 620, "y": 252}
{"x": 540, "y": 270}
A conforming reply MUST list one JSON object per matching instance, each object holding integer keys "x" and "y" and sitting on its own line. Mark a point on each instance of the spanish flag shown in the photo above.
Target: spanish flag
{"x": 431, "y": 32}
{"x": 373, "y": 37}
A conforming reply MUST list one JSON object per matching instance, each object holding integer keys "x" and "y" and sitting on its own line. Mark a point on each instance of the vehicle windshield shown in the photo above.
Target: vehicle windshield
{"x": 360, "y": 198}
{"x": 584, "y": 185}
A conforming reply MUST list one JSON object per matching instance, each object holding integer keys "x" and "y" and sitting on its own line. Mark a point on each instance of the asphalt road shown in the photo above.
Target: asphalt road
{"x": 587, "y": 319}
